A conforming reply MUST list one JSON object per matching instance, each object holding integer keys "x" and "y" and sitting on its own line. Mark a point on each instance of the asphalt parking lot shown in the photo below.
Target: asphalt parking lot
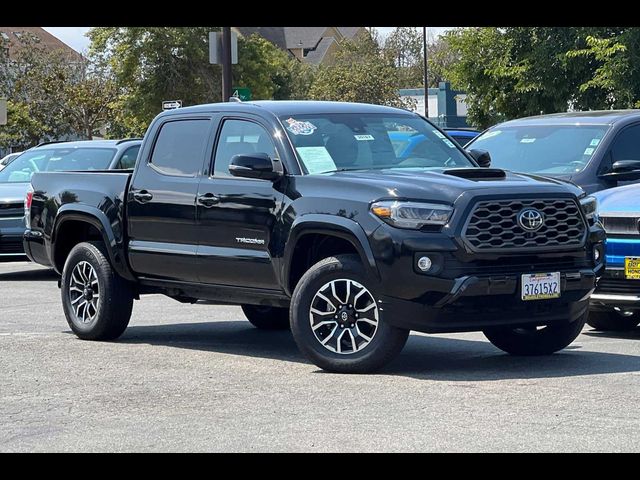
{"x": 201, "y": 378}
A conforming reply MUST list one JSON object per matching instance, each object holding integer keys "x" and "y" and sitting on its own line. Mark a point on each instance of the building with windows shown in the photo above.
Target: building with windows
{"x": 447, "y": 107}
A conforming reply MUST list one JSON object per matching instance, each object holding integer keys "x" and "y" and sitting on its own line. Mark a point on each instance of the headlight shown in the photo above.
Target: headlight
{"x": 590, "y": 207}
{"x": 412, "y": 214}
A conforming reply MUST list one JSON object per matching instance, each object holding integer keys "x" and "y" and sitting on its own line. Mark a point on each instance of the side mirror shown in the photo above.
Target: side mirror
{"x": 624, "y": 170}
{"x": 481, "y": 157}
{"x": 253, "y": 165}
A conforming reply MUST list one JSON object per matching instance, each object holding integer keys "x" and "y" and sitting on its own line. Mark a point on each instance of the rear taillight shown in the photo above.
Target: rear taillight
{"x": 27, "y": 207}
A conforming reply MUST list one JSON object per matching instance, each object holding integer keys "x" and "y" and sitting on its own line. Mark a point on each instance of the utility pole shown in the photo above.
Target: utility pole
{"x": 226, "y": 64}
{"x": 426, "y": 77}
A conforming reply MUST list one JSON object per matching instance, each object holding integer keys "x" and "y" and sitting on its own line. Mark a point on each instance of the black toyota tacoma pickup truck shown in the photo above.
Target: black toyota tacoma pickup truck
{"x": 351, "y": 224}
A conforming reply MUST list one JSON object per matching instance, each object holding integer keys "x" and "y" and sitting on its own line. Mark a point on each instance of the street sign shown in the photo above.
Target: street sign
{"x": 215, "y": 48}
{"x": 242, "y": 93}
{"x": 3, "y": 111}
{"x": 171, "y": 104}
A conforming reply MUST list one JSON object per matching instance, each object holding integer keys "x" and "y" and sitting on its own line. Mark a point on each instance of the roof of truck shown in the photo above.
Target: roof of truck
{"x": 290, "y": 107}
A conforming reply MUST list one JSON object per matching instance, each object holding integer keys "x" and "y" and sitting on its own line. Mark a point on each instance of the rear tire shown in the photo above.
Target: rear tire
{"x": 336, "y": 321}
{"x": 267, "y": 318}
{"x": 613, "y": 321}
{"x": 536, "y": 340}
{"x": 97, "y": 302}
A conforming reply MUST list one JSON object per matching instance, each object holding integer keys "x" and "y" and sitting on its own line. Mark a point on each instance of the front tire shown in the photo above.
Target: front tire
{"x": 336, "y": 320}
{"x": 530, "y": 341}
{"x": 613, "y": 321}
{"x": 267, "y": 318}
{"x": 97, "y": 302}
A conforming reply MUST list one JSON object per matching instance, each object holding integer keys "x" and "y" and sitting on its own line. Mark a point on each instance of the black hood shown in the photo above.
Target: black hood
{"x": 442, "y": 186}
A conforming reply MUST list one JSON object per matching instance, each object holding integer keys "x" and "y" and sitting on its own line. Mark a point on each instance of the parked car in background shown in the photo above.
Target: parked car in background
{"x": 52, "y": 157}
{"x": 8, "y": 159}
{"x": 462, "y": 135}
{"x": 595, "y": 150}
{"x": 615, "y": 305}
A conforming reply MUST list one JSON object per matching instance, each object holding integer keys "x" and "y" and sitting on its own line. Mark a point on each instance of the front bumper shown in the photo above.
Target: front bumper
{"x": 11, "y": 245}
{"x": 469, "y": 291}
{"x": 475, "y": 303}
{"x": 614, "y": 290}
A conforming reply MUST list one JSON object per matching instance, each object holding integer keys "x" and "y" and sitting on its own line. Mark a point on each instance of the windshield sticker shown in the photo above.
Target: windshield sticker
{"x": 589, "y": 151}
{"x": 364, "y": 138}
{"x": 527, "y": 140}
{"x": 595, "y": 142}
{"x": 493, "y": 133}
{"x": 316, "y": 159}
{"x": 299, "y": 127}
{"x": 448, "y": 142}
{"x": 439, "y": 134}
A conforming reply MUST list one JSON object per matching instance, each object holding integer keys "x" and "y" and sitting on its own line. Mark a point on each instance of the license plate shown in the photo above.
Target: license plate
{"x": 540, "y": 286}
{"x": 632, "y": 268}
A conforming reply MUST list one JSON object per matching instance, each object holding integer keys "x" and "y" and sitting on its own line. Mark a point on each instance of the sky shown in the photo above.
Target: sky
{"x": 75, "y": 36}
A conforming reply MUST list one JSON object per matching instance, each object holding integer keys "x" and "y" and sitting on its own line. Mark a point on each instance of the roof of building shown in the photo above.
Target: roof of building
{"x": 296, "y": 37}
{"x": 316, "y": 56}
{"x": 15, "y": 36}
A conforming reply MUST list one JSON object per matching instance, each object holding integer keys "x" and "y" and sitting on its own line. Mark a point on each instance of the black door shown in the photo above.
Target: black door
{"x": 237, "y": 216}
{"x": 162, "y": 200}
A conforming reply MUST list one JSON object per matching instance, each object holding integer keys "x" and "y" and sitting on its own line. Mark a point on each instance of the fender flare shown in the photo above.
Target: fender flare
{"x": 333, "y": 226}
{"x": 97, "y": 218}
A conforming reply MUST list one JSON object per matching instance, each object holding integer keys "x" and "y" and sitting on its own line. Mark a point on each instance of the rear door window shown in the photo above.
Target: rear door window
{"x": 180, "y": 146}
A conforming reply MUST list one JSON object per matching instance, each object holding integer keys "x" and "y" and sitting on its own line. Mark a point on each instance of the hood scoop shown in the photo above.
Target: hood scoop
{"x": 478, "y": 174}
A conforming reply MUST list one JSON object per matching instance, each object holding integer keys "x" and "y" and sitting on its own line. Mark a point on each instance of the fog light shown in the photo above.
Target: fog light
{"x": 424, "y": 263}
{"x": 596, "y": 254}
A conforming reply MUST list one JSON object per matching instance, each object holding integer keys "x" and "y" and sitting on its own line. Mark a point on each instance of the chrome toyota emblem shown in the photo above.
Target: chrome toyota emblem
{"x": 344, "y": 316}
{"x": 530, "y": 219}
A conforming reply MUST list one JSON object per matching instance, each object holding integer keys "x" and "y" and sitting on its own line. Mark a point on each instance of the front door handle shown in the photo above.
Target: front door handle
{"x": 142, "y": 196}
{"x": 208, "y": 200}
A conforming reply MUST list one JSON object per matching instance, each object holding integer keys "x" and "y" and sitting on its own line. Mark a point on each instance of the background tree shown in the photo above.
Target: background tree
{"x": 52, "y": 96}
{"x": 22, "y": 130}
{"x": 403, "y": 49}
{"x": 519, "y": 71}
{"x": 152, "y": 64}
{"x": 360, "y": 73}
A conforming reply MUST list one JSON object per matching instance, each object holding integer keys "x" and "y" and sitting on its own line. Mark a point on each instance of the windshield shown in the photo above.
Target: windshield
{"x": 545, "y": 149}
{"x": 56, "y": 160}
{"x": 335, "y": 142}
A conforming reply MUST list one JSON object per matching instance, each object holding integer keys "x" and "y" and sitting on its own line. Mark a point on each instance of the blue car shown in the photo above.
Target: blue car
{"x": 462, "y": 135}
{"x": 615, "y": 304}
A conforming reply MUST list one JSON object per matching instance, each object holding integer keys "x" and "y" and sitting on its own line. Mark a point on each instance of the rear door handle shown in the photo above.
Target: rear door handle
{"x": 142, "y": 196}
{"x": 208, "y": 200}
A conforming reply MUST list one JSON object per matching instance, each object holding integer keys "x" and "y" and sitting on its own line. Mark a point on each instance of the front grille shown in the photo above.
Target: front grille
{"x": 11, "y": 247}
{"x": 493, "y": 225}
{"x": 621, "y": 225}
{"x": 618, "y": 285}
{"x": 8, "y": 210}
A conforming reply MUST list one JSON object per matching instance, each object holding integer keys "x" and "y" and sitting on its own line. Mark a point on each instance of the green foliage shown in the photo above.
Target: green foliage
{"x": 360, "y": 73}
{"x": 153, "y": 64}
{"x": 53, "y": 95}
{"x": 22, "y": 130}
{"x": 518, "y": 71}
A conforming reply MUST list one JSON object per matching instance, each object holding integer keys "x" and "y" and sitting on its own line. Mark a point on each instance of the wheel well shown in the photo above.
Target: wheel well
{"x": 313, "y": 247}
{"x": 71, "y": 233}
